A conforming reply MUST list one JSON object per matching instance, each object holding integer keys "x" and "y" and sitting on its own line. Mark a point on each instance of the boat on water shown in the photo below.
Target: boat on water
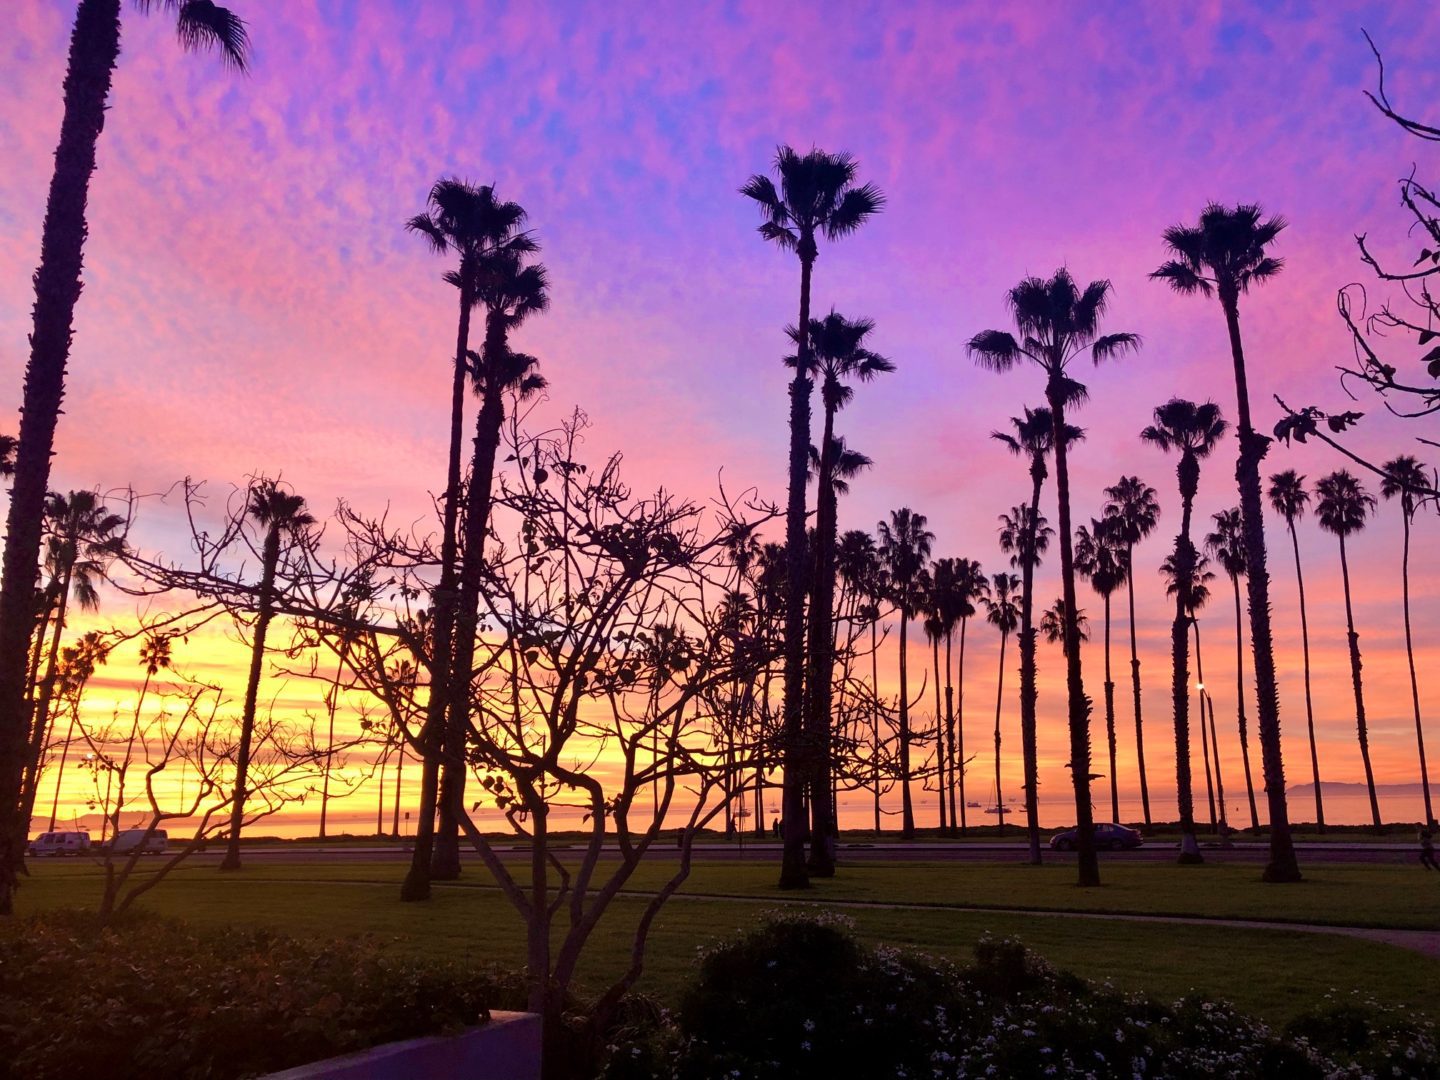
{"x": 972, "y": 806}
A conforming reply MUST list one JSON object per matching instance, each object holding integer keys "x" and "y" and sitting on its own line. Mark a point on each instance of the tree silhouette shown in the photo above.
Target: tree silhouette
{"x": 466, "y": 221}
{"x": 1224, "y": 254}
{"x": 1192, "y": 431}
{"x": 905, "y": 545}
{"x": 1033, "y": 439}
{"x": 1057, "y": 323}
{"x": 1288, "y": 498}
{"x": 1342, "y": 504}
{"x": 1227, "y": 545}
{"x": 840, "y": 358}
{"x": 858, "y": 561}
{"x": 1132, "y": 507}
{"x": 279, "y": 513}
{"x": 1198, "y": 592}
{"x": 1001, "y": 612}
{"x": 1100, "y": 558}
{"x": 94, "y": 50}
{"x": 1405, "y": 478}
{"x": 816, "y": 196}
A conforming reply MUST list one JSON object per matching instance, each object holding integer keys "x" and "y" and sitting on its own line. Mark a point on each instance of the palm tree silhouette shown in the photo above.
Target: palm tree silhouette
{"x": 1052, "y": 624}
{"x": 470, "y": 223}
{"x": 1226, "y": 253}
{"x": 1227, "y": 544}
{"x": 1341, "y": 506}
{"x": 94, "y": 50}
{"x": 934, "y": 632}
{"x": 1192, "y": 431}
{"x": 858, "y": 562}
{"x": 155, "y": 656}
{"x": 816, "y": 196}
{"x": 1057, "y": 323}
{"x": 1100, "y": 558}
{"x": 1001, "y": 612}
{"x": 905, "y": 545}
{"x": 1025, "y": 536}
{"x": 1405, "y": 478}
{"x": 511, "y": 291}
{"x": 77, "y": 663}
{"x": 1033, "y": 439}
{"x": 1132, "y": 507}
{"x": 840, "y": 357}
{"x": 1198, "y": 593}
{"x": 279, "y": 513}
{"x": 1288, "y": 498}
{"x": 971, "y": 587}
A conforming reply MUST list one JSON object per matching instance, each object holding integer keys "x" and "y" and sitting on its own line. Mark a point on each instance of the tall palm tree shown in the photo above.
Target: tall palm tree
{"x": 1052, "y": 624}
{"x": 1227, "y": 544}
{"x": 94, "y": 51}
{"x": 934, "y": 634}
{"x": 279, "y": 513}
{"x": 905, "y": 545}
{"x": 1032, "y": 438}
{"x": 1341, "y": 506}
{"x": 155, "y": 656}
{"x": 1132, "y": 507}
{"x": 1197, "y": 589}
{"x": 1288, "y": 498}
{"x": 841, "y": 358}
{"x": 511, "y": 291}
{"x": 971, "y": 586}
{"x": 1224, "y": 254}
{"x": 1057, "y": 323}
{"x": 1025, "y": 537}
{"x": 858, "y": 561}
{"x": 470, "y": 223}
{"x": 816, "y": 196}
{"x": 1405, "y": 478}
{"x": 77, "y": 663}
{"x": 1100, "y": 558}
{"x": 1192, "y": 431}
{"x": 82, "y": 538}
{"x": 1003, "y": 613}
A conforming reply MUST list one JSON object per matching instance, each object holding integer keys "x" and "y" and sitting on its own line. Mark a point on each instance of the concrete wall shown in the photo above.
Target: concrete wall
{"x": 507, "y": 1048}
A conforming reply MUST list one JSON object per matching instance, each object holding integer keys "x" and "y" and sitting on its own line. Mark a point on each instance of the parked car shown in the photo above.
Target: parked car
{"x": 1108, "y": 837}
{"x": 127, "y": 840}
{"x": 60, "y": 843}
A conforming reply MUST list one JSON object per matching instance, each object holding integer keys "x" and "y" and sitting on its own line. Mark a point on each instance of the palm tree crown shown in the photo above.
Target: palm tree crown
{"x": 817, "y": 194}
{"x": 1132, "y": 509}
{"x": 1100, "y": 556}
{"x": 82, "y": 538}
{"x": 469, "y": 221}
{"x": 1224, "y": 252}
{"x": 1288, "y": 496}
{"x": 838, "y": 353}
{"x": 1406, "y": 478}
{"x": 1002, "y": 609}
{"x": 1227, "y": 542}
{"x": 905, "y": 545}
{"x": 1052, "y": 623}
{"x": 1057, "y": 322}
{"x": 1024, "y": 536}
{"x": 1343, "y": 503}
{"x": 274, "y": 508}
{"x": 203, "y": 25}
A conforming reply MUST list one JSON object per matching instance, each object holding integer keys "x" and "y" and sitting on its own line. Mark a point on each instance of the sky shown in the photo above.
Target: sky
{"x": 252, "y": 303}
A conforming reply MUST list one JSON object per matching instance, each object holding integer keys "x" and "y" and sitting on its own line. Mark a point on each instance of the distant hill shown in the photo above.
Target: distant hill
{"x": 1328, "y": 787}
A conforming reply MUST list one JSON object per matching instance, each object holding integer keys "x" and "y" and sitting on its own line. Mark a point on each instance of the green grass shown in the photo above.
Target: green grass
{"x": 1272, "y": 975}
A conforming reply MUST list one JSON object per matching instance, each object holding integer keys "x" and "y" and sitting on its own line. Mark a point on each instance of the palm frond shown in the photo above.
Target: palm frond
{"x": 996, "y": 350}
{"x": 855, "y": 207}
{"x": 1111, "y": 346}
{"x": 1181, "y": 278}
{"x": 202, "y": 24}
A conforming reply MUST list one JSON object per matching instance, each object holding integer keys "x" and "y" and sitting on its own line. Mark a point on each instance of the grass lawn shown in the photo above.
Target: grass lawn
{"x": 1272, "y": 975}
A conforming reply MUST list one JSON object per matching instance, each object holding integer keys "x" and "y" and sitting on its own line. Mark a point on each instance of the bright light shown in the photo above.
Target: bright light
{"x": 1200, "y": 686}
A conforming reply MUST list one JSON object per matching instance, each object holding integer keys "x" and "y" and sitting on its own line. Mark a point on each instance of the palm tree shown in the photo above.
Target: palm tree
{"x": 511, "y": 291}
{"x": 469, "y": 222}
{"x": 934, "y": 633}
{"x": 1405, "y": 478}
{"x": 1025, "y": 537}
{"x": 77, "y": 663}
{"x": 817, "y": 195}
{"x": 1057, "y": 323}
{"x": 1052, "y": 624}
{"x": 905, "y": 544}
{"x": 971, "y": 586}
{"x": 1226, "y": 253}
{"x": 1033, "y": 439}
{"x": 82, "y": 538}
{"x": 1289, "y": 498}
{"x": 155, "y": 656}
{"x": 1227, "y": 544}
{"x": 1132, "y": 507}
{"x": 840, "y": 357}
{"x": 94, "y": 51}
{"x": 1100, "y": 558}
{"x": 858, "y": 561}
{"x": 1192, "y": 431}
{"x": 1342, "y": 505}
{"x": 279, "y": 513}
{"x": 1197, "y": 589}
{"x": 1001, "y": 612}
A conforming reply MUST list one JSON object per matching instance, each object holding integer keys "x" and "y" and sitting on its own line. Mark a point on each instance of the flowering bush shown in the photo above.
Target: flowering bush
{"x": 801, "y": 997}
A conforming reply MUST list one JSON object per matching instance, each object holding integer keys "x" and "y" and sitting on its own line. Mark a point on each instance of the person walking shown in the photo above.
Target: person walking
{"x": 1427, "y": 847}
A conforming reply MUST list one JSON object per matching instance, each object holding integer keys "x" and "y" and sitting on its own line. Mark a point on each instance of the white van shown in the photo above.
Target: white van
{"x": 60, "y": 843}
{"x": 127, "y": 840}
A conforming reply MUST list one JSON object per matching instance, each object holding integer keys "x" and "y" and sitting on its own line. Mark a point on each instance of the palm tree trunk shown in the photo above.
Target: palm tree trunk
{"x": 1207, "y": 740}
{"x": 960, "y": 730}
{"x": 1110, "y": 720}
{"x": 793, "y": 744}
{"x": 1414, "y": 683}
{"x": 1309, "y": 707}
{"x": 821, "y": 662}
{"x": 330, "y": 745}
{"x": 875, "y": 714}
{"x": 1079, "y": 704}
{"x": 1029, "y": 691}
{"x": 907, "y": 809}
{"x": 1361, "y": 727}
{"x": 433, "y": 731}
{"x": 252, "y": 695}
{"x": 1180, "y": 667}
{"x": 380, "y": 790}
{"x": 999, "y": 700}
{"x": 955, "y": 764}
{"x": 94, "y": 48}
{"x": 1135, "y": 687}
{"x": 1283, "y": 866}
{"x": 45, "y": 693}
{"x": 939, "y": 738}
{"x": 60, "y": 772}
{"x": 399, "y": 776}
{"x": 1240, "y": 702}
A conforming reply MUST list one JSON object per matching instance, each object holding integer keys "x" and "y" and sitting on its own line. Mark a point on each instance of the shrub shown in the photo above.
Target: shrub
{"x": 148, "y": 997}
